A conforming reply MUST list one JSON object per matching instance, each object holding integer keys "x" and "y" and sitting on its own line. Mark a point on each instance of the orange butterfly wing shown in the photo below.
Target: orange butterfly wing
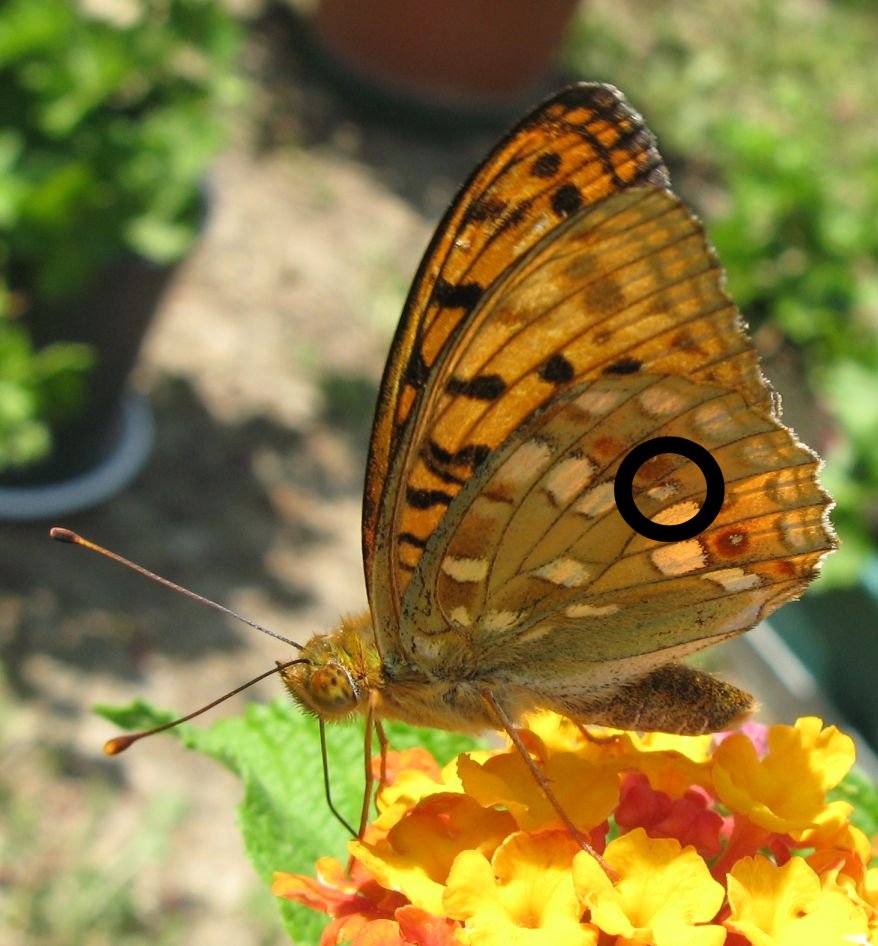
{"x": 577, "y": 148}
{"x": 532, "y": 547}
{"x": 568, "y": 309}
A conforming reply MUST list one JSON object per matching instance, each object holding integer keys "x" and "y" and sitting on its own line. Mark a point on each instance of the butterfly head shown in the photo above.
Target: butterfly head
{"x": 333, "y": 678}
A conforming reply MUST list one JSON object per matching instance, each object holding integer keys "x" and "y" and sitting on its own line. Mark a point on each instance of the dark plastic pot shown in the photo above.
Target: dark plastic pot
{"x": 99, "y": 451}
{"x": 126, "y": 450}
{"x": 102, "y": 448}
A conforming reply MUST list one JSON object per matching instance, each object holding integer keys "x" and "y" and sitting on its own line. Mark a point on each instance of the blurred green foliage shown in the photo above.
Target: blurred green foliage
{"x": 36, "y": 390}
{"x": 766, "y": 112}
{"x": 110, "y": 113}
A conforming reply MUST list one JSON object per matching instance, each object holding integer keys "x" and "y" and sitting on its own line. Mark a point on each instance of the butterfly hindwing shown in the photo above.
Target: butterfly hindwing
{"x": 627, "y": 286}
{"x": 535, "y": 578}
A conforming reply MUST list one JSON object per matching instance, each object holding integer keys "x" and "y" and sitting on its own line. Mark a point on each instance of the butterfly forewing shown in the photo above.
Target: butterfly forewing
{"x": 577, "y": 148}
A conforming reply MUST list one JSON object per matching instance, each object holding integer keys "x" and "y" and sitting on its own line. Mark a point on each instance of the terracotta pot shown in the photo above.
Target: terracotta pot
{"x": 454, "y": 52}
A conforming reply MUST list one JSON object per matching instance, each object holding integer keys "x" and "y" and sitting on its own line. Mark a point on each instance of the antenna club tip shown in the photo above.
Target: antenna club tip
{"x": 117, "y": 745}
{"x": 60, "y": 534}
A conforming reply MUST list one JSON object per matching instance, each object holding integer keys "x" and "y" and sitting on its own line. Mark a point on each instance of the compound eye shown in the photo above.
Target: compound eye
{"x": 332, "y": 689}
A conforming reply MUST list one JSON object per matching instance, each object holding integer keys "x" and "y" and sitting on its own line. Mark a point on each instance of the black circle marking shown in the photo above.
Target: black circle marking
{"x": 624, "y": 482}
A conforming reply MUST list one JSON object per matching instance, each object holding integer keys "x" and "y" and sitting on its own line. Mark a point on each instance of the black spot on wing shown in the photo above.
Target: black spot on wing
{"x": 485, "y": 208}
{"x": 454, "y": 467}
{"x": 427, "y": 498}
{"x": 515, "y": 216}
{"x": 416, "y": 370}
{"x": 624, "y": 366}
{"x": 472, "y": 455}
{"x": 483, "y": 387}
{"x": 443, "y": 474}
{"x": 546, "y": 165}
{"x": 409, "y": 538}
{"x": 464, "y": 295}
{"x": 557, "y": 370}
{"x": 566, "y": 200}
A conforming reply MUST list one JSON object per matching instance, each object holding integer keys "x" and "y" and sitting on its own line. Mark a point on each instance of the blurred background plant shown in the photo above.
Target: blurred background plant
{"x": 112, "y": 111}
{"x": 37, "y": 389}
{"x": 772, "y": 129}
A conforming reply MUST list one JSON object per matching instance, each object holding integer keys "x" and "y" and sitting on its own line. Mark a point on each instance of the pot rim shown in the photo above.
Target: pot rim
{"x": 116, "y": 469}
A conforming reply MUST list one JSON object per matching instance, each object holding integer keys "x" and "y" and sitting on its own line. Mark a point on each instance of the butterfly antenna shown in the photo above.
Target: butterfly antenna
{"x": 121, "y": 743}
{"x": 73, "y": 538}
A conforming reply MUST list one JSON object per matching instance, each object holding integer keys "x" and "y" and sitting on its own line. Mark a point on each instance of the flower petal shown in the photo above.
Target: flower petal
{"x": 586, "y": 792}
{"x": 785, "y": 791}
{"x": 664, "y": 894}
{"x": 786, "y": 906}
{"x": 524, "y": 895}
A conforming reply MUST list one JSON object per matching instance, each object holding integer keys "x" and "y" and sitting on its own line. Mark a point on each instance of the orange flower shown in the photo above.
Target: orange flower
{"x": 354, "y": 902}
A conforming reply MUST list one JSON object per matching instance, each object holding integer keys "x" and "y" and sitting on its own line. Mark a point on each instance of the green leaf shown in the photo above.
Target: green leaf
{"x": 115, "y": 116}
{"x": 275, "y": 750}
{"x": 37, "y": 388}
{"x": 858, "y": 790}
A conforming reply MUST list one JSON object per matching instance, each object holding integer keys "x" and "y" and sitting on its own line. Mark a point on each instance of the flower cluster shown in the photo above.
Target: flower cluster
{"x": 713, "y": 840}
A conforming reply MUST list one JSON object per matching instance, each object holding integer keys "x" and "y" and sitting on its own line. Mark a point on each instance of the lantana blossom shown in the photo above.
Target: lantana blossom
{"x": 705, "y": 840}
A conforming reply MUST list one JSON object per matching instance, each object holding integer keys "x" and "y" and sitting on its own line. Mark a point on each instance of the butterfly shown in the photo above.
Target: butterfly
{"x": 568, "y": 310}
{"x": 577, "y": 473}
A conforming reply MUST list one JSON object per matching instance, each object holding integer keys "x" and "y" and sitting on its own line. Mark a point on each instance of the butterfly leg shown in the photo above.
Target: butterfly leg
{"x": 383, "y": 744}
{"x": 371, "y": 723}
{"x": 507, "y": 724}
{"x": 325, "y": 758}
{"x": 593, "y": 737}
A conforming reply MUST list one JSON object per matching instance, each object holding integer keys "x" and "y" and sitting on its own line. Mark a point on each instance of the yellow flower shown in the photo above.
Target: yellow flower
{"x": 588, "y": 793}
{"x": 788, "y": 906}
{"x": 559, "y": 734}
{"x": 786, "y": 790}
{"x": 523, "y": 896}
{"x": 418, "y": 852}
{"x": 415, "y": 775}
{"x": 664, "y": 894}
{"x": 473, "y": 856}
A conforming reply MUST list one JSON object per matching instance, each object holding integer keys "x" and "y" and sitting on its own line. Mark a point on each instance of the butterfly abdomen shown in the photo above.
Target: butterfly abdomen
{"x": 674, "y": 698}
